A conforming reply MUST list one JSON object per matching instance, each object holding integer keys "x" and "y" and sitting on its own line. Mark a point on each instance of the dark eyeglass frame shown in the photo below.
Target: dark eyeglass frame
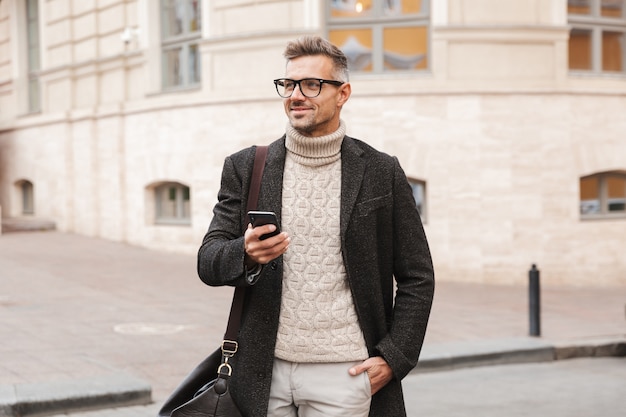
{"x": 297, "y": 83}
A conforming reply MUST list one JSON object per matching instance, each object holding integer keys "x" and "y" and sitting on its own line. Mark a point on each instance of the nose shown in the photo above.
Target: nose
{"x": 297, "y": 91}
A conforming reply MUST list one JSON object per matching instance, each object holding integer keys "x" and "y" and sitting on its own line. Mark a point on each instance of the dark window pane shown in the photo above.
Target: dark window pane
{"x": 194, "y": 64}
{"x": 616, "y": 192}
{"x": 590, "y": 195}
{"x": 173, "y": 17}
{"x": 612, "y": 8}
{"x": 172, "y": 74}
{"x": 578, "y": 7}
{"x": 580, "y": 50}
{"x": 195, "y": 20}
{"x": 612, "y": 51}
{"x": 350, "y": 8}
{"x": 399, "y": 7}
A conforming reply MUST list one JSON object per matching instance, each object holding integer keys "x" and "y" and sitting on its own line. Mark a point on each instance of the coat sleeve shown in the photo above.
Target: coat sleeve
{"x": 414, "y": 276}
{"x": 221, "y": 255}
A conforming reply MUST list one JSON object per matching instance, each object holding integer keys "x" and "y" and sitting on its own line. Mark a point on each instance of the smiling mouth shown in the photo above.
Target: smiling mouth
{"x": 297, "y": 110}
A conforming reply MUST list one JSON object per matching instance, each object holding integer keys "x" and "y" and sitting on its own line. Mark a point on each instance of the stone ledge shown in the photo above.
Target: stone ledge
{"x": 456, "y": 355}
{"x": 592, "y": 348}
{"x": 47, "y": 398}
{"x": 447, "y": 356}
{"x": 26, "y": 224}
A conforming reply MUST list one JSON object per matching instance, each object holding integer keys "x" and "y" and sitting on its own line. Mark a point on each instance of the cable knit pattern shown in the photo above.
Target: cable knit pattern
{"x": 318, "y": 321}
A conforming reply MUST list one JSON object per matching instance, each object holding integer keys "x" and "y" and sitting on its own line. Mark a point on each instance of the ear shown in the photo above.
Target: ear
{"x": 344, "y": 94}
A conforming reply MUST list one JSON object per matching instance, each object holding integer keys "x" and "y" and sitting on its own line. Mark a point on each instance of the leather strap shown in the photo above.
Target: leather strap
{"x": 229, "y": 345}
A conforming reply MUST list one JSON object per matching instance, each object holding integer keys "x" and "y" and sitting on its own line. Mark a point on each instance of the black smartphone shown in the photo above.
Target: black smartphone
{"x": 260, "y": 218}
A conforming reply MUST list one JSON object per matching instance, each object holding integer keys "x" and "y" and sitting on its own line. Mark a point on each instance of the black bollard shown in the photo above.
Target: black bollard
{"x": 534, "y": 306}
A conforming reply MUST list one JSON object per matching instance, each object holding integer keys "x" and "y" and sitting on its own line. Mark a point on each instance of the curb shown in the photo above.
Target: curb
{"x": 106, "y": 391}
{"x": 448, "y": 356}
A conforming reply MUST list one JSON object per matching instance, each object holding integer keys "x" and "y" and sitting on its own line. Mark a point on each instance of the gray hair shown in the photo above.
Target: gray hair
{"x": 315, "y": 45}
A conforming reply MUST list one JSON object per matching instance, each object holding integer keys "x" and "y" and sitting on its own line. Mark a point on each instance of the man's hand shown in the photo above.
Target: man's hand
{"x": 377, "y": 369}
{"x": 264, "y": 251}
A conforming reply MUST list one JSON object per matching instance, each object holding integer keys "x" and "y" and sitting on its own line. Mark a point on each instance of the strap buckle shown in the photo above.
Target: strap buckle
{"x": 229, "y": 348}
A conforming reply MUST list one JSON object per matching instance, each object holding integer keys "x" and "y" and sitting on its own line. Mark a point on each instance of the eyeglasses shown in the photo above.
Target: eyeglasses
{"x": 309, "y": 87}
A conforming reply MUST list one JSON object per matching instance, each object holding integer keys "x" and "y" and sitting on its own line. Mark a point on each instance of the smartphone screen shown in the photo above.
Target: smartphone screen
{"x": 260, "y": 218}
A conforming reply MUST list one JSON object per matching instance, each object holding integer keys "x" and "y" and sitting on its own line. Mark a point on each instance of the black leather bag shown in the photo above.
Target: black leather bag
{"x": 196, "y": 398}
{"x": 204, "y": 392}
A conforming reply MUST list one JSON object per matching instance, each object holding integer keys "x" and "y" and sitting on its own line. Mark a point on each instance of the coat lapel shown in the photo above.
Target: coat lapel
{"x": 271, "y": 195}
{"x": 352, "y": 169}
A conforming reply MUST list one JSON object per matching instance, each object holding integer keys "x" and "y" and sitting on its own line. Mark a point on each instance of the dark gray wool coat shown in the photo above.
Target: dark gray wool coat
{"x": 381, "y": 238}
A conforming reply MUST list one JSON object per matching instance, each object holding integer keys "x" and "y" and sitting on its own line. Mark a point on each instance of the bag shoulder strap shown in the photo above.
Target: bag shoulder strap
{"x": 229, "y": 345}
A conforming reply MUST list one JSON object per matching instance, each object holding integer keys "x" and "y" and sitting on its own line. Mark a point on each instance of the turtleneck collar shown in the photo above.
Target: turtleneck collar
{"x": 315, "y": 151}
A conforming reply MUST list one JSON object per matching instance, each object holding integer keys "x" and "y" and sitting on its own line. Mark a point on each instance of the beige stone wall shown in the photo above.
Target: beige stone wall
{"x": 499, "y": 130}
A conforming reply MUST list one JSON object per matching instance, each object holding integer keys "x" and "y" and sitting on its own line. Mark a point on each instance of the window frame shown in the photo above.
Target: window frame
{"x": 186, "y": 40}
{"x": 603, "y": 198}
{"x": 377, "y": 22}
{"x": 597, "y": 25}
{"x": 179, "y": 217}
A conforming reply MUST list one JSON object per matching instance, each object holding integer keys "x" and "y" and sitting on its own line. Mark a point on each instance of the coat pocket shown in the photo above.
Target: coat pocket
{"x": 368, "y": 206}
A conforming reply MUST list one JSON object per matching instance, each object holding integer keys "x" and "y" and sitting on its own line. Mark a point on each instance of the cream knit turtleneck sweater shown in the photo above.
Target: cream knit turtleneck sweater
{"x": 318, "y": 321}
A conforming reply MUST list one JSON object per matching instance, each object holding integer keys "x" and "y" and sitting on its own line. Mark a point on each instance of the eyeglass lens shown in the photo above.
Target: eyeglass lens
{"x": 309, "y": 87}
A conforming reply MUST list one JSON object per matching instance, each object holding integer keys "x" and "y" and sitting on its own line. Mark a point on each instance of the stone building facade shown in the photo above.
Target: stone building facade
{"x": 508, "y": 117}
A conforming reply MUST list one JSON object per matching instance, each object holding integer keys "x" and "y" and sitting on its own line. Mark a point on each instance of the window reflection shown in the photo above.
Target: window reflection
{"x": 405, "y": 48}
{"x": 356, "y": 45}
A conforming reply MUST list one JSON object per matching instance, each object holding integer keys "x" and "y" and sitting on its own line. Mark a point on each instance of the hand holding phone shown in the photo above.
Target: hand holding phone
{"x": 261, "y": 218}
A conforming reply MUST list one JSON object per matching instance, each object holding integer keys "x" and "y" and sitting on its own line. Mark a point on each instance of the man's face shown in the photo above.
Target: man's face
{"x": 316, "y": 116}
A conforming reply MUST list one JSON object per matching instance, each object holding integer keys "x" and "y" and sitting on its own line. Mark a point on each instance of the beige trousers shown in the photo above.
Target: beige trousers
{"x": 318, "y": 390}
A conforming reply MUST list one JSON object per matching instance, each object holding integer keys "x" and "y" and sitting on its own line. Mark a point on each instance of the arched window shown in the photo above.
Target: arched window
{"x": 603, "y": 194}
{"x": 172, "y": 203}
{"x": 27, "y": 196}
{"x": 419, "y": 194}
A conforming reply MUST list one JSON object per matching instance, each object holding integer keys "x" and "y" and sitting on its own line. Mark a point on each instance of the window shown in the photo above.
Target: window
{"x": 419, "y": 194}
{"x": 603, "y": 194}
{"x": 180, "y": 33}
{"x": 27, "y": 195}
{"x": 598, "y": 36}
{"x": 33, "y": 62}
{"x": 173, "y": 204}
{"x": 381, "y": 35}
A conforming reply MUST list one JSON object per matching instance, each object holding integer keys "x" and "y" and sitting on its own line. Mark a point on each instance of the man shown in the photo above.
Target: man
{"x": 321, "y": 334}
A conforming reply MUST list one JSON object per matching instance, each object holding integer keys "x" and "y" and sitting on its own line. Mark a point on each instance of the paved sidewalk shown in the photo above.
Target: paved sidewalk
{"x": 80, "y": 315}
